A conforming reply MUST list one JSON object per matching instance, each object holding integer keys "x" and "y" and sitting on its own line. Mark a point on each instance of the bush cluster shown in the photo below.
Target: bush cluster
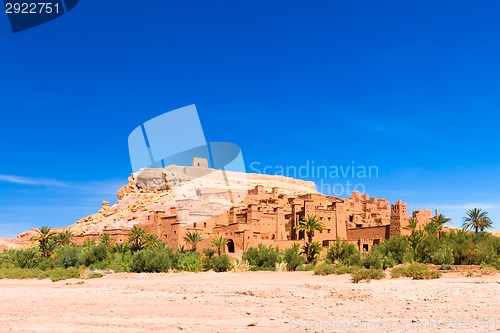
{"x": 417, "y": 271}
{"x": 367, "y": 274}
{"x": 268, "y": 258}
{"x": 339, "y": 269}
{"x": 263, "y": 258}
{"x": 146, "y": 253}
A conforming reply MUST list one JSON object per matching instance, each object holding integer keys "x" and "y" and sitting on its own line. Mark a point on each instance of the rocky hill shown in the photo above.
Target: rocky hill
{"x": 160, "y": 189}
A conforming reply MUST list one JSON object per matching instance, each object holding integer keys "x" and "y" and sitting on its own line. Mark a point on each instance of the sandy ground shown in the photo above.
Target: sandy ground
{"x": 250, "y": 302}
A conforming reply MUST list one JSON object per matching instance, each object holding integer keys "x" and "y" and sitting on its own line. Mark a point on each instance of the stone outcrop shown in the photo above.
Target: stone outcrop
{"x": 151, "y": 179}
{"x": 152, "y": 190}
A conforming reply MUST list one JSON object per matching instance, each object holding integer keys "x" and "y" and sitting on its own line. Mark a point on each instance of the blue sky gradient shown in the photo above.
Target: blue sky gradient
{"x": 412, "y": 87}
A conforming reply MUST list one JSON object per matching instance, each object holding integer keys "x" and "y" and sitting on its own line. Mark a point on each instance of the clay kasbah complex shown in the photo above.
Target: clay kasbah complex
{"x": 257, "y": 208}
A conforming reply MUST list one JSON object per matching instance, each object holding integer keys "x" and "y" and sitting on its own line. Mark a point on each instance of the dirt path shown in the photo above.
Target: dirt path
{"x": 249, "y": 302}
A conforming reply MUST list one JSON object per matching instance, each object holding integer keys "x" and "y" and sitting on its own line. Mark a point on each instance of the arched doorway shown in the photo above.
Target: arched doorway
{"x": 230, "y": 246}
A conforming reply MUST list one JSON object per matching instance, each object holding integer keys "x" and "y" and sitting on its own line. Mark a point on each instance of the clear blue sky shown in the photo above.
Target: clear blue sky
{"x": 411, "y": 87}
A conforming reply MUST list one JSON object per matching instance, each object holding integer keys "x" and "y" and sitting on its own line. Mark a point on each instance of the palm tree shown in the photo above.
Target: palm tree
{"x": 487, "y": 223}
{"x": 219, "y": 243}
{"x": 44, "y": 237}
{"x": 310, "y": 225}
{"x": 64, "y": 238}
{"x": 120, "y": 248}
{"x": 412, "y": 225}
{"x": 477, "y": 219}
{"x": 311, "y": 251}
{"x": 193, "y": 238}
{"x": 209, "y": 252}
{"x": 440, "y": 220}
{"x": 137, "y": 238}
{"x": 416, "y": 239}
{"x": 151, "y": 240}
{"x": 105, "y": 239}
{"x": 432, "y": 228}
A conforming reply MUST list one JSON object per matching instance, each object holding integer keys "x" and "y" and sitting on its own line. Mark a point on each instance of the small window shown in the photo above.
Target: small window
{"x": 204, "y": 224}
{"x": 194, "y": 225}
{"x": 328, "y": 230}
{"x": 359, "y": 226}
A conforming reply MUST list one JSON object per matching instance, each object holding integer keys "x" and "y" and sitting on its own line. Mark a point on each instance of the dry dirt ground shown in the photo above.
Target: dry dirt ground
{"x": 250, "y": 302}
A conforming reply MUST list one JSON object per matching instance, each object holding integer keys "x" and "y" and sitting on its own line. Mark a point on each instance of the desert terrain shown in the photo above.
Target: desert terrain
{"x": 250, "y": 302}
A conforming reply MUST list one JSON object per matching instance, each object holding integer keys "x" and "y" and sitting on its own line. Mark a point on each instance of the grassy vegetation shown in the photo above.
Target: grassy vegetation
{"x": 339, "y": 269}
{"x": 417, "y": 271}
{"x": 367, "y": 274}
{"x": 486, "y": 269}
{"x": 409, "y": 257}
{"x": 446, "y": 267}
{"x": 57, "y": 258}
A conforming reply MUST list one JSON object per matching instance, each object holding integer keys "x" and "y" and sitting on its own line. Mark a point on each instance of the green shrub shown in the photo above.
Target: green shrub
{"x": 473, "y": 248}
{"x": 339, "y": 269}
{"x": 443, "y": 255}
{"x": 240, "y": 266}
{"x": 262, "y": 257}
{"x": 221, "y": 263}
{"x": 354, "y": 259}
{"x": 408, "y": 257}
{"x": 120, "y": 248}
{"x": 209, "y": 252}
{"x": 417, "y": 271}
{"x": 395, "y": 248}
{"x": 22, "y": 273}
{"x": 206, "y": 263}
{"x": 487, "y": 269}
{"x": 67, "y": 256}
{"x": 341, "y": 251}
{"x": 293, "y": 258}
{"x": 94, "y": 253}
{"x": 188, "y": 261}
{"x": 95, "y": 275}
{"x": 446, "y": 267}
{"x": 496, "y": 264}
{"x": 58, "y": 274}
{"x": 427, "y": 248}
{"x": 373, "y": 259}
{"x": 398, "y": 271}
{"x": 150, "y": 261}
{"x": 26, "y": 258}
{"x": 324, "y": 269}
{"x": 120, "y": 262}
{"x": 305, "y": 268}
{"x": 389, "y": 261}
{"x": 367, "y": 274}
{"x": 485, "y": 252}
{"x": 343, "y": 269}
